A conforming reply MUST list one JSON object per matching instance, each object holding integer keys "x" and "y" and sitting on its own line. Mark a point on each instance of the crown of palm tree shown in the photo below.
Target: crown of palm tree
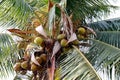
{"x": 104, "y": 50}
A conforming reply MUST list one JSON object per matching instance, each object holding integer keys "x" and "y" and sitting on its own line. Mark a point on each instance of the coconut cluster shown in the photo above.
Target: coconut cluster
{"x": 48, "y": 46}
{"x": 40, "y": 60}
{"x": 25, "y": 64}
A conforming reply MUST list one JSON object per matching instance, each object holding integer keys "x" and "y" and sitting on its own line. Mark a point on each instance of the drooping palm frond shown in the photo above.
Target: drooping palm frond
{"x": 110, "y": 37}
{"x": 14, "y": 12}
{"x": 103, "y": 54}
{"x": 107, "y": 31}
{"x": 6, "y": 50}
{"x": 76, "y": 67}
{"x": 106, "y": 25}
{"x": 105, "y": 59}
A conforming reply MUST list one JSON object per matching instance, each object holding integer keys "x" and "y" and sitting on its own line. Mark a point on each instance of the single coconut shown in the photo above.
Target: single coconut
{"x": 38, "y": 40}
{"x": 63, "y": 42}
{"x": 24, "y": 64}
{"x": 34, "y": 67}
{"x": 61, "y": 36}
{"x": 43, "y": 57}
{"x": 75, "y": 42}
{"x": 39, "y": 59}
{"x": 81, "y": 30}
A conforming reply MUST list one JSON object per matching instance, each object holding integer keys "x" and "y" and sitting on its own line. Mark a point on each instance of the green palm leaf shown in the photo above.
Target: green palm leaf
{"x": 106, "y": 25}
{"x": 14, "y": 12}
{"x": 105, "y": 58}
{"x": 18, "y": 12}
{"x": 6, "y": 51}
{"x": 76, "y": 67}
{"x": 103, "y": 54}
{"x": 110, "y": 37}
{"x": 88, "y": 8}
{"x": 107, "y": 31}
{"x": 6, "y": 44}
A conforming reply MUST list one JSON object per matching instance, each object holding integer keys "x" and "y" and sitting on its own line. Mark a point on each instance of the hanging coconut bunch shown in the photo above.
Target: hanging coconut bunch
{"x": 45, "y": 43}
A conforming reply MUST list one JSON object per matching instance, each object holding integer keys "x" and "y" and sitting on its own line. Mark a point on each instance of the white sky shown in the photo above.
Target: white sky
{"x": 116, "y": 13}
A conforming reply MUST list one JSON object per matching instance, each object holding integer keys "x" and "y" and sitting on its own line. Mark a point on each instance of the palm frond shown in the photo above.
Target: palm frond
{"x": 14, "y": 12}
{"x": 6, "y": 45}
{"x": 41, "y": 3}
{"x": 76, "y": 67}
{"x": 110, "y": 37}
{"x": 102, "y": 54}
{"x": 105, "y": 58}
{"x": 6, "y": 50}
{"x": 88, "y": 9}
{"x": 106, "y": 25}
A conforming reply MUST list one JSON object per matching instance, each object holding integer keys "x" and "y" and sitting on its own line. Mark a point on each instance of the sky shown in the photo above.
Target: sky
{"x": 114, "y": 14}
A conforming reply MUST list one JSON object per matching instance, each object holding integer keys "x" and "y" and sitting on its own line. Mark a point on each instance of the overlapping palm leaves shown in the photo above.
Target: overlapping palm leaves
{"x": 12, "y": 11}
{"x": 71, "y": 9}
{"x": 7, "y": 48}
{"x": 108, "y": 38}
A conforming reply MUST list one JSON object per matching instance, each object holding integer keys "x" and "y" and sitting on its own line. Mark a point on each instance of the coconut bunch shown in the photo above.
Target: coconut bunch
{"x": 38, "y": 61}
{"x": 40, "y": 52}
{"x": 43, "y": 44}
{"x": 35, "y": 64}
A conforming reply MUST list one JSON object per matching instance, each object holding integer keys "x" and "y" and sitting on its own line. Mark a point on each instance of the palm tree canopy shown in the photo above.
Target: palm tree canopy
{"x": 16, "y": 13}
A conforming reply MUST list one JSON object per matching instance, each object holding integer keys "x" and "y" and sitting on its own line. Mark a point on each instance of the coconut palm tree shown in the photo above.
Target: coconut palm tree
{"x": 77, "y": 63}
